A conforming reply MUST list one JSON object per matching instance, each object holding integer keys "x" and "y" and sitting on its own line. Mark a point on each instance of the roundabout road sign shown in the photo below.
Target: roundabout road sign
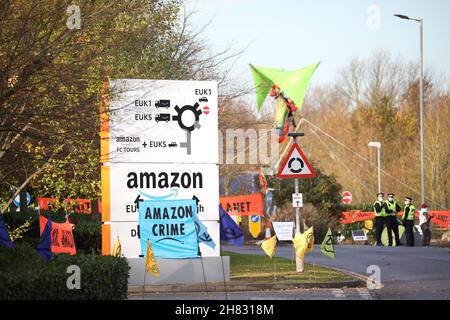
{"x": 296, "y": 165}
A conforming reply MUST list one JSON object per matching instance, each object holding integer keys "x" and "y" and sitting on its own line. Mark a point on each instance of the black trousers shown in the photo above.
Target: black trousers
{"x": 426, "y": 234}
{"x": 409, "y": 231}
{"x": 379, "y": 225}
{"x": 392, "y": 225}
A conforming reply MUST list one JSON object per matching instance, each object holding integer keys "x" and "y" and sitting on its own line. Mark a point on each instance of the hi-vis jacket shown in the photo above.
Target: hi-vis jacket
{"x": 408, "y": 212}
{"x": 379, "y": 209}
{"x": 392, "y": 208}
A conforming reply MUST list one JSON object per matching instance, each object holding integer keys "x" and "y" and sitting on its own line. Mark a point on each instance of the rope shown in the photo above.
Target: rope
{"x": 252, "y": 144}
{"x": 341, "y": 162}
{"x": 371, "y": 164}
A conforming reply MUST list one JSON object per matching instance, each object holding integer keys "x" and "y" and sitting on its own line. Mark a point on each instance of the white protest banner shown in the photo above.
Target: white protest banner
{"x": 283, "y": 230}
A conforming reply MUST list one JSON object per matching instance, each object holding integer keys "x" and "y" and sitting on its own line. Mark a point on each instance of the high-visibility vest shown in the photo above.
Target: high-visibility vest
{"x": 379, "y": 214}
{"x": 411, "y": 212}
{"x": 392, "y": 207}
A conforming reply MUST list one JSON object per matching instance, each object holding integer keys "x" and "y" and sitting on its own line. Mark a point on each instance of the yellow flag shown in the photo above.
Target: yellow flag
{"x": 117, "y": 249}
{"x": 270, "y": 246}
{"x": 150, "y": 261}
{"x": 368, "y": 224}
{"x": 304, "y": 243}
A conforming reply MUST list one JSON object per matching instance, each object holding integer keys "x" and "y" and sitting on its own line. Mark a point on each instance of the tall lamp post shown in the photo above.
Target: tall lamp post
{"x": 378, "y": 146}
{"x": 422, "y": 168}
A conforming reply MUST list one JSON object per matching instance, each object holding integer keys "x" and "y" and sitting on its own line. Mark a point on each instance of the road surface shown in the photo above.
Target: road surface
{"x": 406, "y": 273}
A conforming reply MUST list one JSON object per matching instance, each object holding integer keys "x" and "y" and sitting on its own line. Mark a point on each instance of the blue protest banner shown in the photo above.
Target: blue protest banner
{"x": 5, "y": 239}
{"x": 229, "y": 230}
{"x": 170, "y": 227}
{"x": 203, "y": 235}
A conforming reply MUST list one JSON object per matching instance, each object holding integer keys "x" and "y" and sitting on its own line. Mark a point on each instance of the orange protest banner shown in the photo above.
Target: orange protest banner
{"x": 246, "y": 205}
{"x": 77, "y": 205}
{"x": 61, "y": 236}
{"x": 358, "y": 216}
{"x": 441, "y": 218}
{"x": 355, "y": 216}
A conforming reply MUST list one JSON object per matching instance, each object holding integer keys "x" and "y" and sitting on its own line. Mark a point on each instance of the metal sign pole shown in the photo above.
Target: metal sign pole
{"x": 299, "y": 263}
{"x": 297, "y": 210}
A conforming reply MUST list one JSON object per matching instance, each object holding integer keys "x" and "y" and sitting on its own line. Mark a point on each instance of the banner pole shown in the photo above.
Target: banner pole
{"x": 293, "y": 255}
{"x": 224, "y": 280}
{"x": 203, "y": 269}
{"x": 145, "y": 279}
{"x": 275, "y": 268}
{"x": 314, "y": 271}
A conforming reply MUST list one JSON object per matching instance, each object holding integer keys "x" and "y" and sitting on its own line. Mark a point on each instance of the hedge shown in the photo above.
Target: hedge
{"x": 25, "y": 275}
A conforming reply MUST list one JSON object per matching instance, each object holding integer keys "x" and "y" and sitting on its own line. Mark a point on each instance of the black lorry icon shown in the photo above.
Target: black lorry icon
{"x": 172, "y": 144}
{"x": 162, "y": 117}
{"x": 162, "y": 104}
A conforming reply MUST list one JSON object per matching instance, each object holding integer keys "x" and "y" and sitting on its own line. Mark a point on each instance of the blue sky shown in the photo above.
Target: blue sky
{"x": 290, "y": 34}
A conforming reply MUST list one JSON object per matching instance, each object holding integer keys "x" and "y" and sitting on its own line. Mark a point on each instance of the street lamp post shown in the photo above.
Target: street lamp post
{"x": 378, "y": 146}
{"x": 422, "y": 168}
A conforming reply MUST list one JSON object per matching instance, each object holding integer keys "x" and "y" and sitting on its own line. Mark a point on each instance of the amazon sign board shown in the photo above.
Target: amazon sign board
{"x": 130, "y": 184}
{"x": 162, "y": 121}
{"x": 159, "y": 145}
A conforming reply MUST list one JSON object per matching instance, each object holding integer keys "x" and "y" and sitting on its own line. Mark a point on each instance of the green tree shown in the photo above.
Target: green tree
{"x": 51, "y": 80}
{"x": 323, "y": 192}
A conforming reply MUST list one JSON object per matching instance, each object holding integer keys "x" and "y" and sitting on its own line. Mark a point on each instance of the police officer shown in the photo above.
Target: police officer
{"x": 379, "y": 208}
{"x": 408, "y": 221}
{"x": 392, "y": 207}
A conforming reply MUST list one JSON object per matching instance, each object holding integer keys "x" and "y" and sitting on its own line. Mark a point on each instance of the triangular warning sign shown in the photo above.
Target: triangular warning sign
{"x": 295, "y": 165}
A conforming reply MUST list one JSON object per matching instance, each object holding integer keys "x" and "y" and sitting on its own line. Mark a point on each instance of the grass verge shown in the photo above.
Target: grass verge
{"x": 260, "y": 269}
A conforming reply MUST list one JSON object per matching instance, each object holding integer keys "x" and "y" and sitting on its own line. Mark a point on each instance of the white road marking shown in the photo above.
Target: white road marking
{"x": 364, "y": 293}
{"x": 338, "y": 293}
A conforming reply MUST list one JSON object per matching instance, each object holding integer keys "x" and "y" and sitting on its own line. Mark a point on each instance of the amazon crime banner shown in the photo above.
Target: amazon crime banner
{"x": 170, "y": 227}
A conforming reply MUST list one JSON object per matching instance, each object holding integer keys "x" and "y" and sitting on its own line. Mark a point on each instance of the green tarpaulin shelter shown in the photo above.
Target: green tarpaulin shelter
{"x": 293, "y": 83}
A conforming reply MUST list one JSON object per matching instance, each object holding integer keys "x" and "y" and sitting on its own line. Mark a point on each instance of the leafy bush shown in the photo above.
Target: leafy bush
{"x": 88, "y": 237}
{"x": 25, "y": 275}
{"x": 322, "y": 201}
